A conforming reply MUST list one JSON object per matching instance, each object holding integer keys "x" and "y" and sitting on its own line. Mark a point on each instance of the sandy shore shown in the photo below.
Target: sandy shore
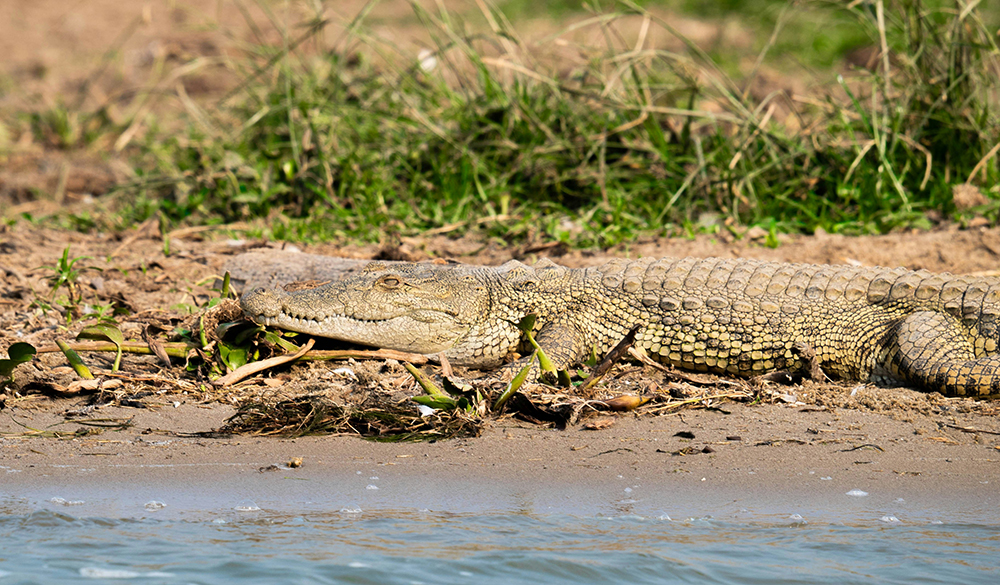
{"x": 763, "y": 461}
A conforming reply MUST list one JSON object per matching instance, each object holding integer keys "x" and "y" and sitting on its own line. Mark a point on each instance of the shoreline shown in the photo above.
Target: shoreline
{"x": 786, "y": 461}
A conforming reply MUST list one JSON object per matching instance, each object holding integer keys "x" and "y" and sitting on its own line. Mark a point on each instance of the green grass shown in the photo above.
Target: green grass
{"x": 521, "y": 142}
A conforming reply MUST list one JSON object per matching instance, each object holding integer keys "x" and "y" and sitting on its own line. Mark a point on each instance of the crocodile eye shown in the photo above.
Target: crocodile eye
{"x": 390, "y": 281}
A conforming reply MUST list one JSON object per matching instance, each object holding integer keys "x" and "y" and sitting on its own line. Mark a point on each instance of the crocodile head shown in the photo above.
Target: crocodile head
{"x": 421, "y": 308}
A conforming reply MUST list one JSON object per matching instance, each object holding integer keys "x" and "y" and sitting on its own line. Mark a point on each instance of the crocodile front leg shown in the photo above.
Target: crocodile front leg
{"x": 932, "y": 350}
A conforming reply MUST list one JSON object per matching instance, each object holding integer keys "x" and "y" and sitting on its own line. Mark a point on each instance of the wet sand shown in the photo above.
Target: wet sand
{"x": 778, "y": 461}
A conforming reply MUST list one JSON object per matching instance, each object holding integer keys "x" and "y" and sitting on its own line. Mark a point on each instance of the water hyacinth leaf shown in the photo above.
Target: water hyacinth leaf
{"x": 526, "y": 325}
{"x": 274, "y": 338}
{"x": 232, "y": 356}
{"x": 18, "y": 353}
{"x": 436, "y": 402}
{"x": 223, "y": 328}
{"x": 74, "y": 360}
{"x": 105, "y": 332}
{"x": 515, "y": 384}
{"x": 429, "y": 387}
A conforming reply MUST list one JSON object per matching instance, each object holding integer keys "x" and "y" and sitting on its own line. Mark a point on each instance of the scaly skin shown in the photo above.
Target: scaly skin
{"x": 744, "y": 317}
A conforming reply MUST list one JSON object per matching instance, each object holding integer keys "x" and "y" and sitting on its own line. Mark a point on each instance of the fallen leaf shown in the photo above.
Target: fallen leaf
{"x": 626, "y": 402}
{"x": 600, "y": 424}
{"x": 295, "y": 462}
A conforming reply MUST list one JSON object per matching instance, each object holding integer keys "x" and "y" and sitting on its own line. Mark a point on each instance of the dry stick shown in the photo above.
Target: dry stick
{"x": 138, "y": 233}
{"x": 180, "y": 350}
{"x": 366, "y": 354}
{"x": 971, "y": 429}
{"x": 252, "y": 368}
{"x": 982, "y": 162}
{"x": 674, "y": 405}
{"x": 613, "y": 357}
{"x": 174, "y": 349}
{"x": 320, "y": 355}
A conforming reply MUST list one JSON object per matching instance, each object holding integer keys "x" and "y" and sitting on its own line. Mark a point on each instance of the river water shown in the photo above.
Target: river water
{"x": 362, "y": 532}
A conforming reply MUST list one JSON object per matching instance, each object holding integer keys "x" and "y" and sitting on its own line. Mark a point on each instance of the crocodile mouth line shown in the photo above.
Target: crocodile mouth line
{"x": 283, "y": 319}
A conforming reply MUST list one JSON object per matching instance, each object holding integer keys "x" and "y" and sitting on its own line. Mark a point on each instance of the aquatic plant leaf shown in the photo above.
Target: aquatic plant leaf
{"x": 105, "y": 332}
{"x": 74, "y": 360}
{"x": 429, "y": 387}
{"x": 18, "y": 353}
{"x": 436, "y": 402}
{"x": 232, "y": 356}
{"x": 515, "y": 384}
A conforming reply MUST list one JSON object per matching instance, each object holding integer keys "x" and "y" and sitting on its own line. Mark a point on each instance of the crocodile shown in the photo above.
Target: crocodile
{"x": 891, "y": 327}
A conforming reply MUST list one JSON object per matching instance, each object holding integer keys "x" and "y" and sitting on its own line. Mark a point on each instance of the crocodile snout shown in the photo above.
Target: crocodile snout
{"x": 262, "y": 303}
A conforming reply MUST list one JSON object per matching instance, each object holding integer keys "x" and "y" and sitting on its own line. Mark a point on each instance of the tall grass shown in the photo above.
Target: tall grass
{"x": 591, "y": 145}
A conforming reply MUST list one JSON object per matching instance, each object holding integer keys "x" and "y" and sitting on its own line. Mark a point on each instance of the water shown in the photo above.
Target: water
{"x": 183, "y": 539}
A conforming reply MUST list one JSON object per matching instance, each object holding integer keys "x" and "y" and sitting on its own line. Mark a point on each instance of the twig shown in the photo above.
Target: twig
{"x": 365, "y": 354}
{"x": 173, "y": 349}
{"x": 138, "y": 233}
{"x": 983, "y": 161}
{"x": 971, "y": 429}
{"x": 613, "y": 357}
{"x": 674, "y": 405}
{"x": 252, "y": 368}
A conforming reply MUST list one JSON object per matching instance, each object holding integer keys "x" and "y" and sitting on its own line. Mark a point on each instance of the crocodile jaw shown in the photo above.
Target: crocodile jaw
{"x": 424, "y": 331}
{"x": 403, "y": 333}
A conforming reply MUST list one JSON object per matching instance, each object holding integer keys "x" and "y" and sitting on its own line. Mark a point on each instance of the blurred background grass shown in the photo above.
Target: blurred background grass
{"x": 590, "y": 123}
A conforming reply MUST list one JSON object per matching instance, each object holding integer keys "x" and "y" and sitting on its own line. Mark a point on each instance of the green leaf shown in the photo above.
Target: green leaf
{"x": 232, "y": 356}
{"x": 21, "y": 351}
{"x": 74, "y": 360}
{"x": 280, "y": 341}
{"x": 515, "y": 384}
{"x": 102, "y": 332}
{"x": 526, "y": 324}
{"x": 223, "y": 328}
{"x": 105, "y": 332}
{"x": 436, "y": 402}
{"x": 18, "y": 353}
{"x": 425, "y": 382}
